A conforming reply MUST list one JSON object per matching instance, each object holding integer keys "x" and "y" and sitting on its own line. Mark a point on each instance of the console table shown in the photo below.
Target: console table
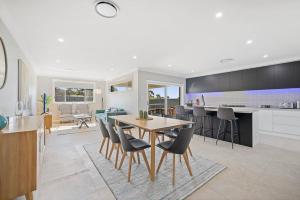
{"x": 20, "y": 147}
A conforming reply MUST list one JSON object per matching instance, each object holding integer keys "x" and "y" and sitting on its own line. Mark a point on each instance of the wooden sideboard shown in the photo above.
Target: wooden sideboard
{"x": 20, "y": 148}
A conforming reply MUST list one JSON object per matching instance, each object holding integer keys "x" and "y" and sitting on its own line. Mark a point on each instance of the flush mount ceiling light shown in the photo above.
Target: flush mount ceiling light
{"x": 106, "y": 8}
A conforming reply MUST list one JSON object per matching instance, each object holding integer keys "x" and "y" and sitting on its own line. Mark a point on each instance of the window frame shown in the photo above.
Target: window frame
{"x": 71, "y": 81}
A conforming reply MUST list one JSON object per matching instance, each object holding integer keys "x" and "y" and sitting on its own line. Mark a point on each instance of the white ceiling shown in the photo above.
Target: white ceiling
{"x": 182, "y": 33}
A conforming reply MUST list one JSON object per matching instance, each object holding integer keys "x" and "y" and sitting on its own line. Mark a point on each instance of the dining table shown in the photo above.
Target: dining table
{"x": 153, "y": 124}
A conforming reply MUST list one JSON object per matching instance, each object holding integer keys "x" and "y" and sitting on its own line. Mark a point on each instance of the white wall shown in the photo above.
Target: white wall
{"x": 45, "y": 85}
{"x": 145, "y": 77}
{"x": 127, "y": 100}
{"x": 9, "y": 94}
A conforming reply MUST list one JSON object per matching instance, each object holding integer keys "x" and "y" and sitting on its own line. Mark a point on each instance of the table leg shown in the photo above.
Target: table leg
{"x": 140, "y": 132}
{"x": 152, "y": 161}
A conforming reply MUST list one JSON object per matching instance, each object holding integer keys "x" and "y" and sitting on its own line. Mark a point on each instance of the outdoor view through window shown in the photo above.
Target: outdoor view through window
{"x": 163, "y": 99}
{"x": 73, "y": 92}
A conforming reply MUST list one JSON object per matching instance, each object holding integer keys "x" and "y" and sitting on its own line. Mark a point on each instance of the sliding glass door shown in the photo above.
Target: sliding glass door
{"x": 162, "y": 99}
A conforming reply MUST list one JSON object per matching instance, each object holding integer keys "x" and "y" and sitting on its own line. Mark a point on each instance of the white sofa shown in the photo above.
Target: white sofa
{"x": 67, "y": 111}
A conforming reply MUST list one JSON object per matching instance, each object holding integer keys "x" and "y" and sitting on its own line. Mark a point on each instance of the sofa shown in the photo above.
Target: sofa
{"x": 67, "y": 111}
{"x": 105, "y": 114}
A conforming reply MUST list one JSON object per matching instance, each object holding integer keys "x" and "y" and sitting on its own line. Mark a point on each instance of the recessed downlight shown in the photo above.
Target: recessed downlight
{"x": 134, "y": 57}
{"x": 106, "y": 8}
{"x": 265, "y": 56}
{"x": 169, "y": 65}
{"x": 219, "y": 15}
{"x": 57, "y": 61}
{"x": 249, "y": 41}
{"x": 61, "y": 40}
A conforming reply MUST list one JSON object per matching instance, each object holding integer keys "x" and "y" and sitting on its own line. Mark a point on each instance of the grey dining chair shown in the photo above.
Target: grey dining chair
{"x": 178, "y": 146}
{"x": 132, "y": 146}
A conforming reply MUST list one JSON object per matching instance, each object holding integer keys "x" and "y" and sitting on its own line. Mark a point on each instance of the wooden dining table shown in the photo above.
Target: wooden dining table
{"x": 153, "y": 126}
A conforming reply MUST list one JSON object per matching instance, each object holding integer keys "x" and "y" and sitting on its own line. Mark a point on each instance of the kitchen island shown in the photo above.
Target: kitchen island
{"x": 247, "y": 124}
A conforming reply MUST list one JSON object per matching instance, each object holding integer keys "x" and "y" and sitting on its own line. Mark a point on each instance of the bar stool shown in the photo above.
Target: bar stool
{"x": 227, "y": 115}
{"x": 181, "y": 113}
{"x": 200, "y": 116}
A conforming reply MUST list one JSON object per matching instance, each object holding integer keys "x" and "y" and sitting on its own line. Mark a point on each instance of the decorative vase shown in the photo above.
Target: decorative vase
{"x": 3, "y": 122}
{"x": 141, "y": 114}
{"x": 145, "y": 115}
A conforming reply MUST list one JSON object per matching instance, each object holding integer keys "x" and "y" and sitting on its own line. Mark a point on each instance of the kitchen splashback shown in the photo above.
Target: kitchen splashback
{"x": 252, "y": 98}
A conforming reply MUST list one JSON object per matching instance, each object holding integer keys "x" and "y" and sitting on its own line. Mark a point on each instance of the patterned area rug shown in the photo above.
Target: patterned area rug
{"x": 142, "y": 188}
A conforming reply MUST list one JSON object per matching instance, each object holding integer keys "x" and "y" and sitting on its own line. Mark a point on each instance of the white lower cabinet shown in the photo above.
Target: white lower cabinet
{"x": 280, "y": 127}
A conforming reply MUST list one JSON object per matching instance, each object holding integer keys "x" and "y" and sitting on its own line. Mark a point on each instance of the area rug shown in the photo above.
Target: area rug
{"x": 141, "y": 187}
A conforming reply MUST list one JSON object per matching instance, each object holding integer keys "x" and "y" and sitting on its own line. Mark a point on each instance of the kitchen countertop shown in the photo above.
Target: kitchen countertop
{"x": 244, "y": 109}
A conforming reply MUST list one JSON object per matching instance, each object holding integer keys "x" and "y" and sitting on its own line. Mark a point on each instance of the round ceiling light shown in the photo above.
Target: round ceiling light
{"x": 106, "y": 8}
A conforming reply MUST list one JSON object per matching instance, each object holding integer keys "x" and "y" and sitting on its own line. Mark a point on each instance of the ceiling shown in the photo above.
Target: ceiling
{"x": 176, "y": 37}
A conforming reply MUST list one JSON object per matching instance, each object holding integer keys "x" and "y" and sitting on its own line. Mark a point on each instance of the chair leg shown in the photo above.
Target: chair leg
{"x": 161, "y": 160}
{"x": 187, "y": 163}
{"x": 231, "y": 128}
{"x": 173, "y": 177}
{"x": 203, "y": 128}
{"x": 107, "y": 148}
{"x": 143, "y": 134}
{"x": 189, "y": 148}
{"x": 130, "y": 163}
{"x": 111, "y": 150}
{"x": 225, "y": 130}
{"x": 117, "y": 155}
{"x": 146, "y": 161}
{"x": 138, "y": 157}
{"x": 158, "y": 138}
{"x": 102, "y": 144}
{"x": 220, "y": 125}
{"x": 149, "y": 138}
{"x": 122, "y": 159}
{"x": 133, "y": 157}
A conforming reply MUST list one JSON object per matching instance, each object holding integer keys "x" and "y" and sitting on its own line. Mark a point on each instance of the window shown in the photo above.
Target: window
{"x": 72, "y": 92}
{"x": 121, "y": 87}
{"x": 163, "y": 98}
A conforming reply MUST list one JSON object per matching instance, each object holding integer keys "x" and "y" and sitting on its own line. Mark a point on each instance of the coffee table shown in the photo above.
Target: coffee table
{"x": 83, "y": 118}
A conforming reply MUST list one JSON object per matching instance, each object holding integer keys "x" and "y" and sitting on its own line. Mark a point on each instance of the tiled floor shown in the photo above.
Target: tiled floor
{"x": 263, "y": 172}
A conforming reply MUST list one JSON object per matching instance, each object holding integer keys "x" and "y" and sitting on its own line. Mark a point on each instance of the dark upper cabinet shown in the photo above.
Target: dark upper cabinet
{"x": 235, "y": 81}
{"x": 286, "y": 75}
{"x": 223, "y": 82}
{"x": 265, "y": 78}
{"x": 249, "y": 81}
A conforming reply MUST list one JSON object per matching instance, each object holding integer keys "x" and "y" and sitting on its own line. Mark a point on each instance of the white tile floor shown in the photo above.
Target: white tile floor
{"x": 263, "y": 172}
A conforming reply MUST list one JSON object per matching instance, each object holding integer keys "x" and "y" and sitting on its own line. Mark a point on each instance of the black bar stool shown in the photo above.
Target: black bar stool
{"x": 227, "y": 115}
{"x": 181, "y": 113}
{"x": 200, "y": 116}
